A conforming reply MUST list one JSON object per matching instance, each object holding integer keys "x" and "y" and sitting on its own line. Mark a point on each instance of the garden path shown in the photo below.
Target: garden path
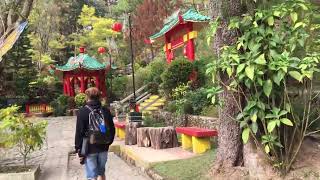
{"x": 57, "y": 165}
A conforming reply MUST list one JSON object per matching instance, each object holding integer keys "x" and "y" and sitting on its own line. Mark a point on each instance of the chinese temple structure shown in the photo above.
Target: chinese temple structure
{"x": 82, "y": 72}
{"x": 180, "y": 30}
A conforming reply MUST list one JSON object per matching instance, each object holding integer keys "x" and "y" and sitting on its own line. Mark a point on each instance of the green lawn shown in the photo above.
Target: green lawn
{"x": 194, "y": 168}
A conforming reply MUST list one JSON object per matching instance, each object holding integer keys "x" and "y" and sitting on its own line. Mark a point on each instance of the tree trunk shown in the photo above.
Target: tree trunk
{"x": 131, "y": 133}
{"x": 14, "y": 14}
{"x": 162, "y": 138}
{"x": 230, "y": 147}
{"x": 143, "y": 137}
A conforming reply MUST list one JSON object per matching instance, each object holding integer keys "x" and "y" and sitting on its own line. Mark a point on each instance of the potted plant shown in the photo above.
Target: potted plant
{"x": 24, "y": 134}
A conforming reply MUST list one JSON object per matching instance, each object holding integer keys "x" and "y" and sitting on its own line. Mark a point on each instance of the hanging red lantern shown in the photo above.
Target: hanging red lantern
{"x": 117, "y": 27}
{"x": 82, "y": 49}
{"x": 101, "y": 50}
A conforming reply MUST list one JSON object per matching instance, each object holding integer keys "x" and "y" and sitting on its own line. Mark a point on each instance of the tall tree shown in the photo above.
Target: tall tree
{"x": 19, "y": 68}
{"x": 13, "y": 12}
{"x": 148, "y": 18}
{"x": 230, "y": 147}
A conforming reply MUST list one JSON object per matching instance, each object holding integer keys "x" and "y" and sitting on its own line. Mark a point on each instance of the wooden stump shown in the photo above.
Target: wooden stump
{"x": 143, "y": 137}
{"x": 162, "y": 138}
{"x": 131, "y": 133}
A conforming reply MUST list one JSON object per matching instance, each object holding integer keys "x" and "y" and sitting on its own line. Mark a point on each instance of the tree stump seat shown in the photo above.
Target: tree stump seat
{"x": 120, "y": 129}
{"x": 196, "y": 138}
{"x": 157, "y": 138}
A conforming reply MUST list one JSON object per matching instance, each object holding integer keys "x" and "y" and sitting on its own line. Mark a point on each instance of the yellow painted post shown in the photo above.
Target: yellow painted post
{"x": 117, "y": 132}
{"x": 186, "y": 141}
{"x": 122, "y": 133}
{"x": 200, "y": 145}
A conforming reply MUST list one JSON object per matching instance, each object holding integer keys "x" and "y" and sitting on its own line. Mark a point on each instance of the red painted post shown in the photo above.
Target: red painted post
{"x": 82, "y": 88}
{"x": 28, "y": 108}
{"x": 190, "y": 50}
{"x": 68, "y": 86}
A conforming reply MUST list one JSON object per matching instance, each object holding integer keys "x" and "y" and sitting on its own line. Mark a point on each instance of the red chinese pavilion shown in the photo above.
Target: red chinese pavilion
{"x": 82, "y": 72}
{"x": 180, "y": 30}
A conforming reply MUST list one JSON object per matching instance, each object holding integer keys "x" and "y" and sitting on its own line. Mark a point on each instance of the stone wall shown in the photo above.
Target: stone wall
{"x": 172, "y": 119}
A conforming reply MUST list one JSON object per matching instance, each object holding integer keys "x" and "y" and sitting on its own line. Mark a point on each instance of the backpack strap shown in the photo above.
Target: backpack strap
{"x": 87, "y": 106}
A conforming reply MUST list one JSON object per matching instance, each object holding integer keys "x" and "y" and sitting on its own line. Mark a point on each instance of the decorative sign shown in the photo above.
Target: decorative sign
{"x": 7, "y": 43}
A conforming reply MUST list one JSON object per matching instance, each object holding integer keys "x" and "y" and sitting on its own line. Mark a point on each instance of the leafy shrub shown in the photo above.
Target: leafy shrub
{"x": 71, "y": 103}
{"x": 141, "y": 76}
{"x": 60, "y": 105}
{"x": 156, "y": 67}
{"x": 149, "y": 121}
{"x": 20, "y": 131}
{"x": 119, "y": 85}
{"x": 198, "y": 100}
{"x": 80, "y": 100}
{"x": 177, "y": 73}
{"x": 210, "y": 111}
{"x": 171, "y": 106}
{"x": 200, "y": 67}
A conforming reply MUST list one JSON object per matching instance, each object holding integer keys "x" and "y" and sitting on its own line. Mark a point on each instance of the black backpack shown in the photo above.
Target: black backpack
{"x": 98, "y": 129}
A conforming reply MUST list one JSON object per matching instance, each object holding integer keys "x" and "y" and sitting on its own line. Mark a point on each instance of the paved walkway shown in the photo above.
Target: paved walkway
{"x": 60, "y": 141}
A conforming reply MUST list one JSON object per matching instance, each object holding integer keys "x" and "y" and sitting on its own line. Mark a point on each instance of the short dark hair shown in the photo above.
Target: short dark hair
{"x": 93, "y": 93}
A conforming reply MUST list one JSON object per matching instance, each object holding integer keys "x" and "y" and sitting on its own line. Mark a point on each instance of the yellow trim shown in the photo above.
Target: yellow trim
{"x": 200, "y": 145}
{"x": 186, "y": 141}
{"x": 192, "y": 35}
{"x": 165, "y": 47}
{"x": 122, "y": 133}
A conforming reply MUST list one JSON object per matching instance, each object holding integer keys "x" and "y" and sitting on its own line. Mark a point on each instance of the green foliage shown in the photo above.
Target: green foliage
{"x": 60, "y": 105}
{"x": 272, "y": 52}
{"x": 198, "y": 100}
{"x": 21, "y": 132}
{"x": 156, "y": 67}
{"x": 200, "y": 66}
{"x": 119, "y": 84}
{"x": 95, "y": 30}
{"x": 80, "y": 100}
{"x": 149, "y": 121}
{"x": 177, "y": 73}
{"x": 178, "y": 94}
{"x": 210, "y": 111}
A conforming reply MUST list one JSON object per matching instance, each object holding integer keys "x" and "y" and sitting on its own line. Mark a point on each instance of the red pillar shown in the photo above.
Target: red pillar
{"x": 103, "y": 84}
{"x": 68, "y": 86}
{"x": 97, "y": 81}
{"x": 82, "y": 83}
{"x": 72, "y": 88}
{"x": 65, "y": 89}
{"x": 27, "y": 108}
{"x": 190, "y": 50}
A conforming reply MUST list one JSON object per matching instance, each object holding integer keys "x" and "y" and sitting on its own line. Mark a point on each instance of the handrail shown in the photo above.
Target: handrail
{"x": 146, "y": 96}
{"x": 131, "y": 95}
{"x": 150, "y": 103}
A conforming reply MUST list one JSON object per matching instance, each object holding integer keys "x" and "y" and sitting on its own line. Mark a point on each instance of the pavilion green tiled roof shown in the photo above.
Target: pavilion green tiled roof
{"x": 83, "y": 60}
{"x": 190, "y": 16}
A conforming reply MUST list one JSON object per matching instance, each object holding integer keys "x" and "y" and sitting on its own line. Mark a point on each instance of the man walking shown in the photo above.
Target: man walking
{"x": 94, "y": 134}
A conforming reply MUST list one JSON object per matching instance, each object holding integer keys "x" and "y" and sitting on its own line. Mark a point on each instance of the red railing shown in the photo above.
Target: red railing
{"x": 38, "y": 108}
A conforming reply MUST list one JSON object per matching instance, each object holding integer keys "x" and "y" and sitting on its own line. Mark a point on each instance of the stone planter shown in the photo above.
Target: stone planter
{"x": 31, "y": 175}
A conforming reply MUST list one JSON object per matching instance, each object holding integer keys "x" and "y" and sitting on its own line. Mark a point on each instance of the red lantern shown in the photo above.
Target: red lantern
{"x": 82, "y": 49}
{"x": 101, "y": 50}
{"x": 117, "y": 27}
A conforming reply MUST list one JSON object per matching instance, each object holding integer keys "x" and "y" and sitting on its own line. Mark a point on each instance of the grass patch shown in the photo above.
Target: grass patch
{"x": 195, "y": 168}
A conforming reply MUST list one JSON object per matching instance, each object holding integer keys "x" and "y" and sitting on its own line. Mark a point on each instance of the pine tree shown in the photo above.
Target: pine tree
{"x": 18, "y": 67}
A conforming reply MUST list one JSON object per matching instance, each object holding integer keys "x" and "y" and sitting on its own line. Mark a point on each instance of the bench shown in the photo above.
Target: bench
{"x": 196, "y": 138}
{"x": 120, "y": 129}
